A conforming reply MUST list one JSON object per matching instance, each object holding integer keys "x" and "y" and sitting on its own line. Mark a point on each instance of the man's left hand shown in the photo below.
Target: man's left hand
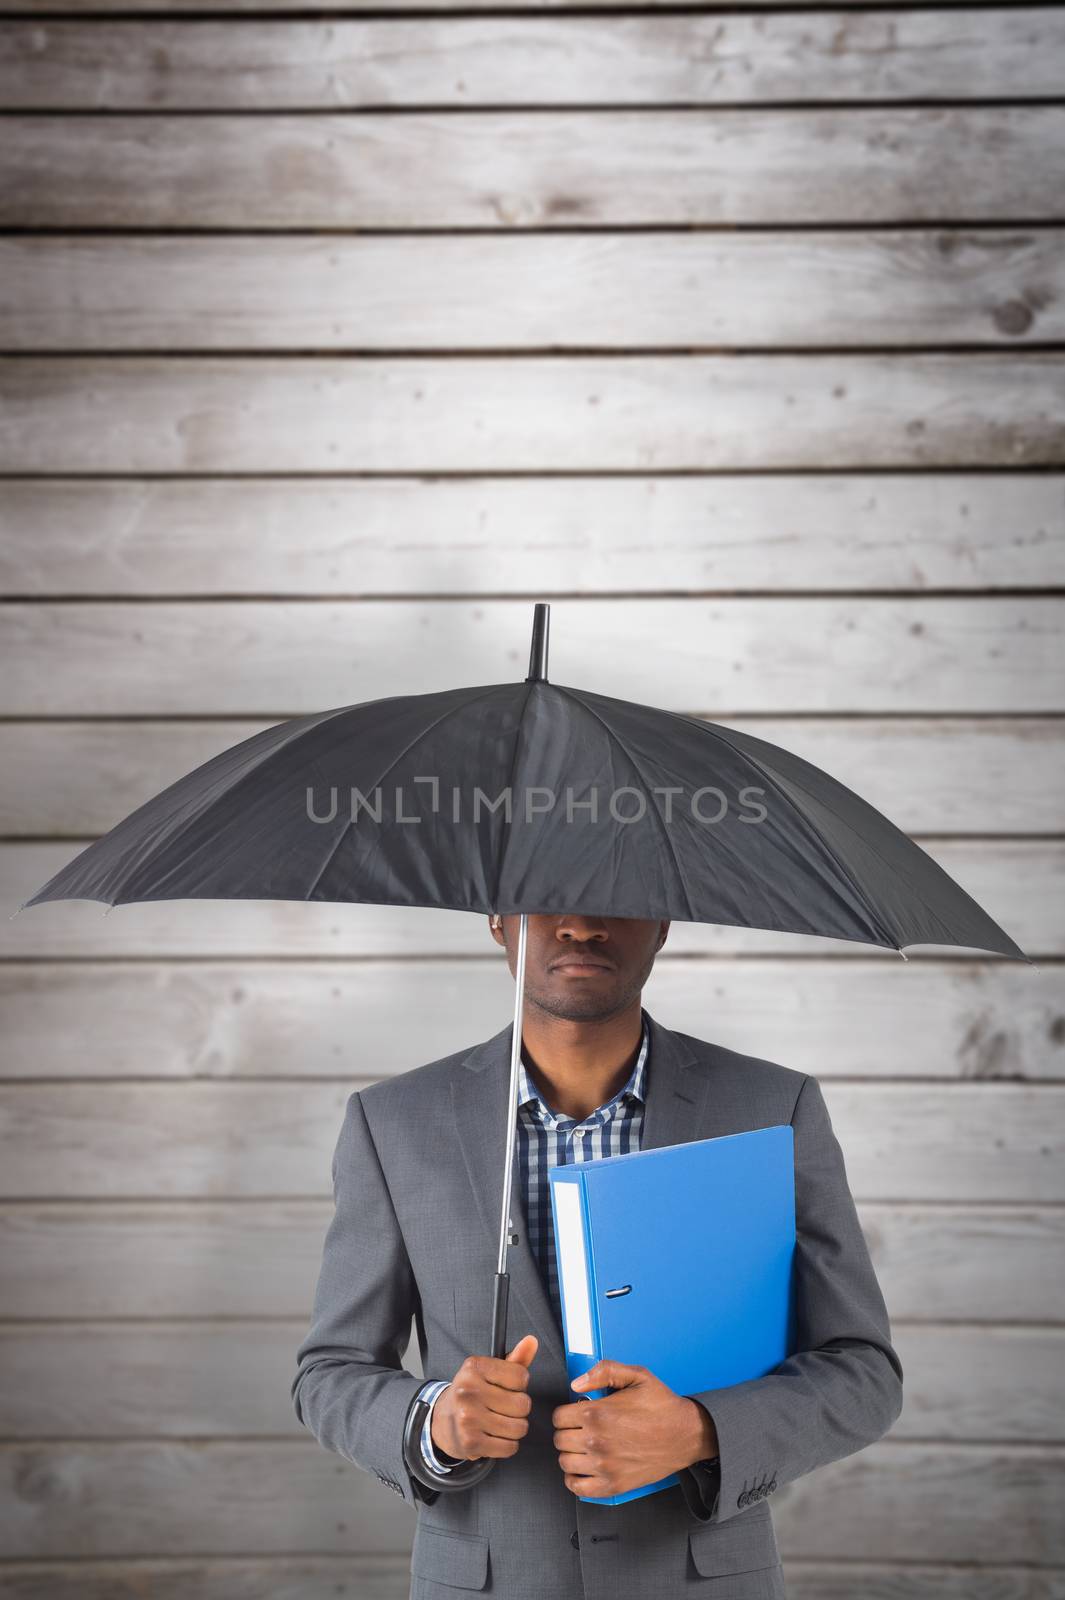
{"x": 637, "y": 1435}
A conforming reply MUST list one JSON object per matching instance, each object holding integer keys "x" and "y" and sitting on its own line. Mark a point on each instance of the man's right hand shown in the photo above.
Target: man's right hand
{"x": 484, "y": 1408}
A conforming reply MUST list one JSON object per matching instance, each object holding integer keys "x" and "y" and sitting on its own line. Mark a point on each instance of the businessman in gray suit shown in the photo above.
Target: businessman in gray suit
{"x": 417, "y": 1181}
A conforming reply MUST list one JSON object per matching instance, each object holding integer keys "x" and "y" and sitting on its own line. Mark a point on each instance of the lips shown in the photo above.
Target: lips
{"x": 581, "y": 961}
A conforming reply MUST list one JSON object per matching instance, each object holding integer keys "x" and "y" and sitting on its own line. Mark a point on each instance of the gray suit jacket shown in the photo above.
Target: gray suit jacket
{"x": 417, "y": 1180}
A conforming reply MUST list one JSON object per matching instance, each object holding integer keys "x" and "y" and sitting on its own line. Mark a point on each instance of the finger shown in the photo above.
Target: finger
{"x": 502, "y": 1374}
{"x": 506, "y": 1403}
{"x": 588, "y": 1486}
{"x": 569, "y": 1440}
{"x": 572, "y": 1416}
{"x": 484, "y": 1372}
{"x": 500, "y": 1449}
{"x": 499, "y": 1427}
{"x": 608, "y": 1375}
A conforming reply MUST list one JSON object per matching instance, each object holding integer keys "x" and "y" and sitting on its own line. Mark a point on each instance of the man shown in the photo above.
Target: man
{"x": 415, "y": 1235}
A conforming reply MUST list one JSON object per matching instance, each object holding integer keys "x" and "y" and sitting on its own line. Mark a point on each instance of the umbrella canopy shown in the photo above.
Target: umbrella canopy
{"x": 532, "y": 797}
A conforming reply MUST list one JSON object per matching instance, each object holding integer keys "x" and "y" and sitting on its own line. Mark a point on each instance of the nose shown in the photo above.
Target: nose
{"x": 578, "y": 927}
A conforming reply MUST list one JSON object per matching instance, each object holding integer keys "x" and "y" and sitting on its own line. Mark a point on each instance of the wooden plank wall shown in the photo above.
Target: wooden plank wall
{"x": 332, "y": 341}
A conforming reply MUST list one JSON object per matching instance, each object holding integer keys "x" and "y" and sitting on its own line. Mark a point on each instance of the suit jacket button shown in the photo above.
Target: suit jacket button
{"x": 575, "y": 1539}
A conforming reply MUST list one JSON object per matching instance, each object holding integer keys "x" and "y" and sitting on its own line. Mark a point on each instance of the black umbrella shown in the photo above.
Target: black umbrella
{"x": 532, "y": 797}
{"x": 518, "y": 798}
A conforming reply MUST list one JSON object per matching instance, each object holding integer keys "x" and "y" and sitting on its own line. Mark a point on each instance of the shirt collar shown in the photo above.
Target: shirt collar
{"x": 634, "y": 1088}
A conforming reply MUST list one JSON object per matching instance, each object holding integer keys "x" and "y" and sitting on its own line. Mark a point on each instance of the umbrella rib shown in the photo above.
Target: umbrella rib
{"x": 350, "y": 823}
{"x": 870, "y": 909}
{"x": 654, "y": 806}
{"x": 911, "y": 885}
{"x": 510, "y": 779}
{"x": 314, "y": 721}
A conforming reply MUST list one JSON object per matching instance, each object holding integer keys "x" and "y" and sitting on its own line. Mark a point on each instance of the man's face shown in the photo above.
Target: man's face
{"x": 583, "y": 968}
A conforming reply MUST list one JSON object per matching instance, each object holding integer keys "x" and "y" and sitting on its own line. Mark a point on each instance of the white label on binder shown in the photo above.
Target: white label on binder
{"x": 573, "y": 1268}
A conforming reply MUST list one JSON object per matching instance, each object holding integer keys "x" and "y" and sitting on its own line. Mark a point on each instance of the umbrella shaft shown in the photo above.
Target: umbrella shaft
{"x": 512, "y": 1097}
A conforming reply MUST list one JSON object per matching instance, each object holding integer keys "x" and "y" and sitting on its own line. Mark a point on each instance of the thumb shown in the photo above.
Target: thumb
{"x": 525, "y": 1349}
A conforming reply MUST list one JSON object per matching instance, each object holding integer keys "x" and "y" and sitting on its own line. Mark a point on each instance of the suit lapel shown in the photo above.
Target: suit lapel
{"x": 479, "y": 1091}
{"x": 673, "y": 1110}
{"x": 673, "y": 1114}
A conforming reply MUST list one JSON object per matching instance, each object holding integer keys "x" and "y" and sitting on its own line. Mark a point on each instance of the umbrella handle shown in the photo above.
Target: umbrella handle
{"x": 463, "y": 1476}
{"x": 467, "y": 1473}
{"x": 471, "y": 1472}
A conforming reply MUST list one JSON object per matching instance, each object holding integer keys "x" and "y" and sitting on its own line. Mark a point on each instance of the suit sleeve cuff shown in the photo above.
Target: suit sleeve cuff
{"x": 701, "y": 1487}
{"x": 432, "y": 1393}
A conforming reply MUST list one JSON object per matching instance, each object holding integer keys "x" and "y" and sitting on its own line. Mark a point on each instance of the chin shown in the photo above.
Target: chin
{"x": 579, "y": 1007}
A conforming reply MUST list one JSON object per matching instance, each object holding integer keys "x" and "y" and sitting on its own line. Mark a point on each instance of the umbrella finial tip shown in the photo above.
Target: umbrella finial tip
{"x": 538, "y": 649}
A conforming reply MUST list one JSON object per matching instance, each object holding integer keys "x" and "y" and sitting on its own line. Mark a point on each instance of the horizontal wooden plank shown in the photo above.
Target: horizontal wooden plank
{"x": 165, "y": 1498}
{"x": 456, "y": 62}
{"x": 398, "y": 7}
{"x": 260, "y": 1258}
{"x": 513, "y": 169}
{"x": 979, "y": 1383}
{"x": 905, "y": 1141}
{"x": 543, "y": 536}
{"x": 195, "y": 1020}
{"x": 956, "y": 775}
{"x": 930, "y": 1491}
{"x": 352, "y": 1576}
{"x": 102, "y": 1380}
{"x": 556, "y": 290}
{"x": 822, "y": 1580}
{"x": 355, "y": 1577}
{"x": 215, "y": 414}
{"x": 725, "y": 657}
{"x": 257, "y": 1141}
{"x": 231, "y": 1379}
{"x": 1001, "y": 875}
{"x": 169, "y": 1497}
